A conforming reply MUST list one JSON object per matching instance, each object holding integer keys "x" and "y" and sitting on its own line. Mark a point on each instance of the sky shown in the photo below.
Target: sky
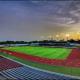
{"x": 31, "y": 20}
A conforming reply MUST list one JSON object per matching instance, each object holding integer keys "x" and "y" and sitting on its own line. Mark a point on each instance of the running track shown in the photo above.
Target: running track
{"x": 73, "y": 60}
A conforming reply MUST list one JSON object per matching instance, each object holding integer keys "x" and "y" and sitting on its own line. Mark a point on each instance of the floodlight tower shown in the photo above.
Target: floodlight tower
{"x": 78, "y": 34}
{"x": 50, "y": 37}
{"x": 57, "y": 37}
{"x": 67, "y": 36}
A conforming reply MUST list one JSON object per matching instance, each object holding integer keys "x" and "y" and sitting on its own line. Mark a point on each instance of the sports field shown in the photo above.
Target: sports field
{"x": 61, "y": 60}
{"x": 45, "y": 52}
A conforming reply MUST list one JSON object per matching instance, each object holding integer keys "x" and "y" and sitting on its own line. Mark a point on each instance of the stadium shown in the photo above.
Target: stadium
{"x": 40, "y": 40}
{"x": 40, "y": 62}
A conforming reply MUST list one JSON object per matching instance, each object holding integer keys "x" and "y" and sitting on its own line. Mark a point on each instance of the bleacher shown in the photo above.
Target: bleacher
{"x": 15, "y": 71}
{"x": 7, "y": 64}
{"x": 25, "y": 73}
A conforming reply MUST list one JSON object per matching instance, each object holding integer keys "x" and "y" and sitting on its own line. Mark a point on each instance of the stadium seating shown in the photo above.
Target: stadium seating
{"x": 7, "y": 64}
{"x": 11, "y": 70}
{"x": 26, "y": 73}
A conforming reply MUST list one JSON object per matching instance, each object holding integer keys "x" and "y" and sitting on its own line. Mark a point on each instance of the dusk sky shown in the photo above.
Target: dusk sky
{"x": 29, "y": 20}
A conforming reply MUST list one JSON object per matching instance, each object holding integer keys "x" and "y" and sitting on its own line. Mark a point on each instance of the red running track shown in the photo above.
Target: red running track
{"x": 73, "y": 60}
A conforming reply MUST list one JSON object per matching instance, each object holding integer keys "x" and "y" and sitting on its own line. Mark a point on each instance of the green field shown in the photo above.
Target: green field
{"x": 45, "y": 52}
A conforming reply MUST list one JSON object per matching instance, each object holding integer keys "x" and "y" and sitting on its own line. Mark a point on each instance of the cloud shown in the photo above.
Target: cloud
{"x": 36, "y": 18}
{"x": 61, "y": 12}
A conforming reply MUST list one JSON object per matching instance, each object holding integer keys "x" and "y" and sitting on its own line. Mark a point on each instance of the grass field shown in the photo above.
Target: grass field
{"x": 45, "y": 52}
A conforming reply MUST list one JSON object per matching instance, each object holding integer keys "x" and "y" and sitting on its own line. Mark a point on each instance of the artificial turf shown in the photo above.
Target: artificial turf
{"x": 45, "y": 52}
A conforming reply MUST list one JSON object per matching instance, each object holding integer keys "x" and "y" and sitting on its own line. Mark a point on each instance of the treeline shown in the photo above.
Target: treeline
{"x": 43, "y": 41}
{"x": 54, "y": 41}
{"x": 13, "y": 42}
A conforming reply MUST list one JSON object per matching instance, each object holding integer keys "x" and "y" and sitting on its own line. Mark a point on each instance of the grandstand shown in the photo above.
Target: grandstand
{"x": 14, "y": 70}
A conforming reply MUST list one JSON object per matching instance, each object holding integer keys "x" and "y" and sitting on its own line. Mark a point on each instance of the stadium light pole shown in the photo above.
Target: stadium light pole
{"x": 57, "y": 37}
{"x": 67, "y": 36}
{"x": 78, "y": 35}
{"x": 49, "y": 37}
